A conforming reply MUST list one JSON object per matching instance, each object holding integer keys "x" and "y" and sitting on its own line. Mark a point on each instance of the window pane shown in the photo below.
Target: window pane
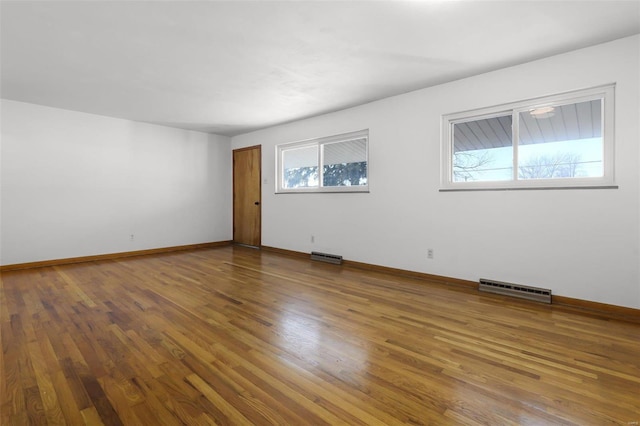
{"x": 483, "y": 150}
{"x": 300, "y": 167}
{"x": 345, "y": 163}
{"x": 563, "y": 141}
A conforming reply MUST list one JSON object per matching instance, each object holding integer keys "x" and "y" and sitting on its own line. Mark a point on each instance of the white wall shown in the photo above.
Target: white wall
{"x": 580, "y": 243}
{"x": 76, "y": 184}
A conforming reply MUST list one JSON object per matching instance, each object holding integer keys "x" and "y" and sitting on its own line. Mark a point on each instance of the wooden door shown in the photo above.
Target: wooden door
{"x": 247, "y": 197}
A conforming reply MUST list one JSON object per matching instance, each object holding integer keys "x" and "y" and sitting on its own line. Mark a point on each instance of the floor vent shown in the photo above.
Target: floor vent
{"x": 325, "y": 257}
{"x": 516, "y": 290}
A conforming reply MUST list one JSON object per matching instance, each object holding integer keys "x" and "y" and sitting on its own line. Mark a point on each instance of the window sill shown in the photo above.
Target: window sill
{"x": 527, "y": 188}
{"x": 325, "y": 191}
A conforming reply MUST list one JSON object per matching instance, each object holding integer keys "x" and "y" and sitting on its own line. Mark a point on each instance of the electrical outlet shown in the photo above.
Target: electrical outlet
{"x": 429, "y": 253}
{"x": 313, "y": 239}
{"x": 131, "y": 237}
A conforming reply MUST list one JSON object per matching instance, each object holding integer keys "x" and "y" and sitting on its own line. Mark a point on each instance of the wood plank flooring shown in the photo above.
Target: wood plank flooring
{"x": 237, "y": 336}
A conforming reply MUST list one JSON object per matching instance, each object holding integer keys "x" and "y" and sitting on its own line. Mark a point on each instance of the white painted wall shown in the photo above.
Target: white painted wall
{"x": 76, "y": 184}
{"x": 580, "y": 243}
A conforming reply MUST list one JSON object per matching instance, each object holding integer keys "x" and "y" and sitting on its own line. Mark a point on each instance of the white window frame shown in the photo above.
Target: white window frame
{"x": 606, "y": 93}
{"x": 344, "y": 137}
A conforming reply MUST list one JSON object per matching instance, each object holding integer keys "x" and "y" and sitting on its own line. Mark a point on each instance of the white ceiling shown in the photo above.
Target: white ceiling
{"x": 236, "y": 66}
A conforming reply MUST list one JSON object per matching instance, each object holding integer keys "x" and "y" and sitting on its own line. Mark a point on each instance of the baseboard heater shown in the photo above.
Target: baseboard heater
{"x": 326, "y": 257}
{"x": 516, "y": 290}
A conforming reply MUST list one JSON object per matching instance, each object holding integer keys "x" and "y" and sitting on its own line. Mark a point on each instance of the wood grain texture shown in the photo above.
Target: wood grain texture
{"x": 586, "y": 306}
{"x": 247, "y": 195}
{"x": 118, "y": 255}
{"x": 232, "y": 335}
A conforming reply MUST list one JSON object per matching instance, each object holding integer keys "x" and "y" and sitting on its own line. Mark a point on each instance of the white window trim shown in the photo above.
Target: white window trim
{"x": 319, "y": 142}
{"x": 606, "y": 93}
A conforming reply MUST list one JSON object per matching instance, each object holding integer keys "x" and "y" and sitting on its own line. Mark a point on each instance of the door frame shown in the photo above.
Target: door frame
{"x": 233, "y": 169}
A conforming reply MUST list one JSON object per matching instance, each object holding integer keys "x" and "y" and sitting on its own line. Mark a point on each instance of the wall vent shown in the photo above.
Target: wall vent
{"x": 516, "y": 290}
{"x": 325, "y": 257}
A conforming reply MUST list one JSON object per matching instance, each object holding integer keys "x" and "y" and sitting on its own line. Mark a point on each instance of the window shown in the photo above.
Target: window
{"x": 332, "y": 164}
{"x": 552, "y": 142}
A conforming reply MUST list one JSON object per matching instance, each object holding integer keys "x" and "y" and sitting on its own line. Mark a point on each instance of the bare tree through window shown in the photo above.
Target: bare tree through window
{"x": 559, "y": 165}
{"x": 467, "y": 164}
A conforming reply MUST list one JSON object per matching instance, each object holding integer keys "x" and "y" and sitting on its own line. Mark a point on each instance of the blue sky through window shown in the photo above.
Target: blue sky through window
{"x": 583, "y": 156}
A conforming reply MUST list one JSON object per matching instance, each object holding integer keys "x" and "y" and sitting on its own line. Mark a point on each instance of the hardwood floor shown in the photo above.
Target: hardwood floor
{"x": 237, "y": 336}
